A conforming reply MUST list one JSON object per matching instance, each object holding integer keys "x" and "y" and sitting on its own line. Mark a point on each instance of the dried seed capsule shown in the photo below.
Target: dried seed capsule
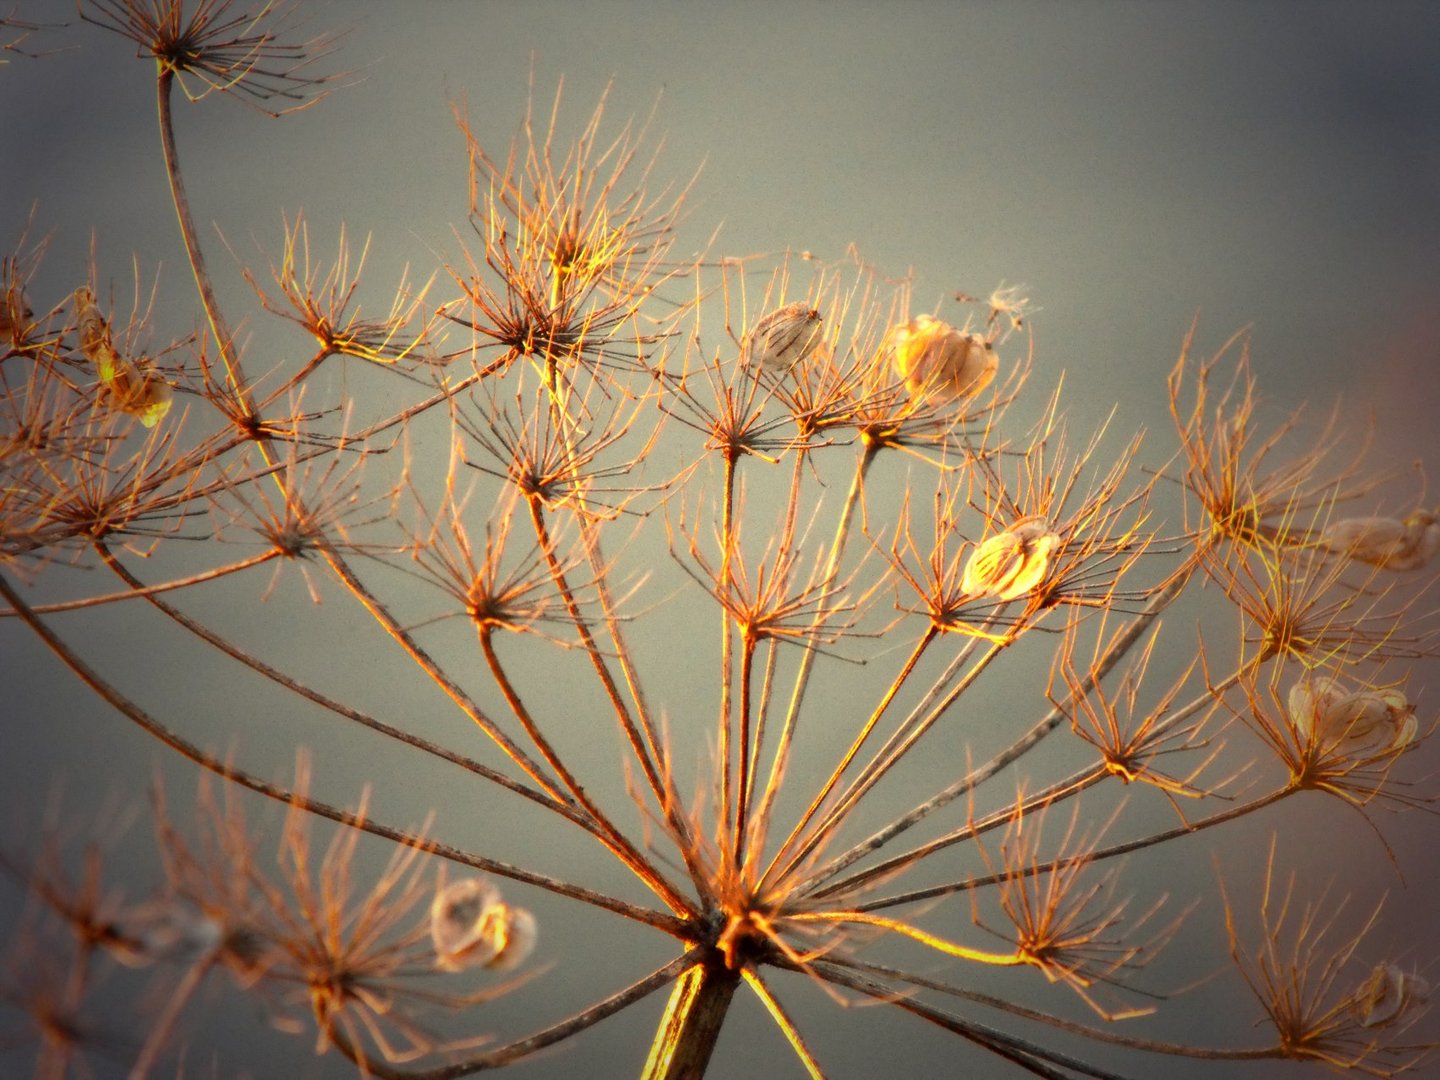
{"x": 1386, "y": 542}
{"x": 934, "y": 359}
{"x": 132, "y": 388}
{"x": 1013, "y": 562}
{"x": 1387, "y": 995}
{"x": 516, "y": 930}
{"x": 94, "y": 334}
{"x": 138, "y": 390}
{"x": 471, "y": 926}
{"x": 1327, "y": 714}
{"x": 783, "y": 338}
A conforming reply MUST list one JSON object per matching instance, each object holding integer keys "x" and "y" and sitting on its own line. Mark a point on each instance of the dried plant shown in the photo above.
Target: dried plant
{"x": 762, "y": 569}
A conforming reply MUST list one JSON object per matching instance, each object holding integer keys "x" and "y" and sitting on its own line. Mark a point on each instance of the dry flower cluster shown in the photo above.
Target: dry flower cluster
{"x": 819, "y": 792}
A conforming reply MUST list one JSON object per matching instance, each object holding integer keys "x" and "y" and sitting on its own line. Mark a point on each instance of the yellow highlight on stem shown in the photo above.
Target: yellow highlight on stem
{"x": 949, "y": 948}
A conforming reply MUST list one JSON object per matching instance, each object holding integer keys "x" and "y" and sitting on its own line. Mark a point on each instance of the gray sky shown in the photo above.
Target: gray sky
{"x": 1135, "y": 166}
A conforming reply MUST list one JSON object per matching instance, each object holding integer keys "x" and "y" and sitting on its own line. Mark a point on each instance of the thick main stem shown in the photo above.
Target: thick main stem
{"x": 691, "y": 1025}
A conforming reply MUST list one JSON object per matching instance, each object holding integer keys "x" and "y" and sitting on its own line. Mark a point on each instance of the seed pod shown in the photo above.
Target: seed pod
{"x": 783, "y": 338}
{"x": 133, "y": 388}
{"x": 1013, "y": 562}
{"x": 516, "y": 929}
{"x": 1386, "y": 542}
{"x": 936, "y": 360}
{"x": 471, "y": 926}
{"x": 1387, "y": 995}
{"x": 1327, "y": 714}
{"x": 136, "y": 389}
{"x": 94, "y": 331}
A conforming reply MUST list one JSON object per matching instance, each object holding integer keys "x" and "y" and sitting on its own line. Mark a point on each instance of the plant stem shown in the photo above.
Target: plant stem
{"x": 164, "y": 83}
{"x": 691, "y": 1024}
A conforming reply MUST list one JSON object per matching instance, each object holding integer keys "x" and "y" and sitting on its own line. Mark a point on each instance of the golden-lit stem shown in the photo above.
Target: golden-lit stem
{"x": 598, "y": 822}
{"x": 591, "y": 540}
{"x": 592, "y": 650}
{"x": 807, "y": 656}
{"x": 437, "y": 675}
{"x": 802, "y": 850}
{"x": 896, "y": 747}
{"x": 164, "y": 84}
{"x": 691, "y": 1023}
{"x": 112, "y": 696}
{"x": 727, "y": 543}
{"x": 950, "y": 948}
{"x": 747, "y": 751}
{"x": 783, "y": 1022}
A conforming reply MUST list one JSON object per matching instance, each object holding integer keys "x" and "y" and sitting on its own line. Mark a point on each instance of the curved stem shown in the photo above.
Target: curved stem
{"x": 139, "y": 591}
{"x": 257, "y": 665}
{"x": 187, "y": 749}
{"x": 164, "y": 84}
{"x": 1087, "y": 1031}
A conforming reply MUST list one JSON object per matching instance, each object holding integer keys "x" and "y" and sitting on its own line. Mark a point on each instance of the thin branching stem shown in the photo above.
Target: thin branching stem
{"x": 224, "y": 341}
{"x": 1099, "y": 854}
{"x": 437, "y": 675}
{"x": 1118, "y": 648}
{"x": 603, "y": 828}
{"x": 807, "y": 657}
{"x": 146, "y": 591}
{"x": 189, "y": 750}
{"x": 798, "y": 851}
{"x": 280, "y": 678}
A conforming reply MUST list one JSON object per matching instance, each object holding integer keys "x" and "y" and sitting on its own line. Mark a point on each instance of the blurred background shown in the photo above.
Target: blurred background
{"x": 1139, "y": 168}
